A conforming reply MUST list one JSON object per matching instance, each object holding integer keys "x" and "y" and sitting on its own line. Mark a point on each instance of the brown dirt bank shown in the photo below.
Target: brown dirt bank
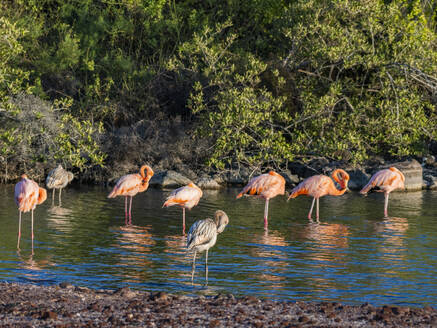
{"x": 23, "y": 305}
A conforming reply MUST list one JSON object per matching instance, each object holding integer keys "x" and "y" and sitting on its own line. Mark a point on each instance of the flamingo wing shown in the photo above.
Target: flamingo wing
{"x": 26, "y": 195}
{"x": 316, "y": 186}
{"x": 201, "y": 232}
{"x": 127, "y": 185}
{"x": 184, "y": 196}
{"x": 386, "y": 180}
{"x": 267, "y": 185}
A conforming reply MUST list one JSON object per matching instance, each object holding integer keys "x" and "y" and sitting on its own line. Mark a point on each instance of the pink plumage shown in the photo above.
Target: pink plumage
{"x": 386, "y": 180}
{"x": 185, "y": 197}
{"x": 321, "y": 185}
{"x": 27, "y": 195}
{"x": 266, "y": 186}
{"x": 130, "y": 185}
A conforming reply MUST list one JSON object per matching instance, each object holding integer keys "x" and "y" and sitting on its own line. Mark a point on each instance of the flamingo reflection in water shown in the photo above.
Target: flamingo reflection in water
{"x": 270, "y": 252}
{"x": 203, "y": 235}
{"x": 329, "y": 242}
{"x": 393, "y": 230}
{"x": 136, "y": 244}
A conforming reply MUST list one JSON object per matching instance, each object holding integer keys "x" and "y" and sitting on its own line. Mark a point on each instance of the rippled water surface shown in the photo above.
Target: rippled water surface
{"x": 353, "y": 255}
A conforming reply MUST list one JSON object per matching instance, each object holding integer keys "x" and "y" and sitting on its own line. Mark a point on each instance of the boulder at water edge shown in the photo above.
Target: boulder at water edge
{"x": 169, "y": 179}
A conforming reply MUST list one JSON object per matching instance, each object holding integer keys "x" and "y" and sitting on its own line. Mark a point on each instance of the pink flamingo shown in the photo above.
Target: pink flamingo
{"x": 321, "y": 185}
{"x": 27, "y": 195}
{"x": 186, "y": 197}
{"x": 130, "y": 185}
{"x": 386, "y": 180}
{"x": 265, "y": 186}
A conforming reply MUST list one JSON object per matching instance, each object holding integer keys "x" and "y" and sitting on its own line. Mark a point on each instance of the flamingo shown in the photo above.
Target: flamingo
{"x": 130, "y": 185}
{"x": 321, "y": 185}
{"x": 386, "y": 180}
{"x": 267, "y": 186}
{"x": 186, "y": 197}
{"x": 58, "y": 178}
{"x": 27, "y": 195}
{"x": 203, "y": 235}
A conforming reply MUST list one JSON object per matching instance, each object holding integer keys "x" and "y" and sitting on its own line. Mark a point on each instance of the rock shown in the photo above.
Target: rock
{"x": 66, "y": 285}
{"x": 125, "y": 292}
{"x": 303, "y": 170}
{"x": 430, "y": 182}
{"x": 49, "y": 315}
{"x": 208, "y": 183}
{"x": 169, "y": 179}
{"x": 237, "y": 177}
{"x": 358, "y": 179}
{"x": 290, "y": 179}
{"x": 430, "y": 160}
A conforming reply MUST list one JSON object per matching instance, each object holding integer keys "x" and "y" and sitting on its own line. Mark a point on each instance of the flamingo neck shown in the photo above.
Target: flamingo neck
{"x": 342, "y": 178}
{"x": 149, "y": 174}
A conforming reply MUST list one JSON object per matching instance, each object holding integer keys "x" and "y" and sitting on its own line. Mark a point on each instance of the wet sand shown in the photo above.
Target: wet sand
{"x": 26, "y": 305}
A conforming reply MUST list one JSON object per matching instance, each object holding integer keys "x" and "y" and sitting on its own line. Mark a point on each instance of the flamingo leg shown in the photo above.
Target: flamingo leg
{"x": 19, "y": 230}
{"x": 386, "y": 204}
{"x": 311, "y": 209}
{"x": 266, "y": 211}
{"x": 32, "y": 231}
{"x": 60, "y": 191}
{"x": 206, "y": 266}
{"x": 194, "y": 266}
{"x": 125, "y": 210}
{"x": 130, "y": 210}
{"x": 53, "y": 197}
{"x": 317, "y": 210}
{"x": 183, "y": 220}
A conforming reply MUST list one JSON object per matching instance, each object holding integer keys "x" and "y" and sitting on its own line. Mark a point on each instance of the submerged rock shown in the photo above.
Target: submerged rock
{"x": 169, "y": 179}
{"x": 429, "y": 181}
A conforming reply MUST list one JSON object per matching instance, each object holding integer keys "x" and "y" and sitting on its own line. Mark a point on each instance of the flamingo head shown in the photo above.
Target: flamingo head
{"x": 221, "y": 219}
{"x": 342, "y": 177}
{"x": 149, "y": 174}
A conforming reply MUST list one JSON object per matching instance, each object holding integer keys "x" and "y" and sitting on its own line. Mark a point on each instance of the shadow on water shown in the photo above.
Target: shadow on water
{"x": 352, "y": 255}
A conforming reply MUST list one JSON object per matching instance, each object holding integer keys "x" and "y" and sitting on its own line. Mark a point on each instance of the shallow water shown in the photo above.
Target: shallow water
{"x": 353, "y": 255}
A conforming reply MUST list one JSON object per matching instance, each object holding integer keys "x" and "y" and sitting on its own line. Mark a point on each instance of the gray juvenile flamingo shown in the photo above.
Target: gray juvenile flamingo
{"x": 58, "y": 178}
{"x": 203, "y": 235}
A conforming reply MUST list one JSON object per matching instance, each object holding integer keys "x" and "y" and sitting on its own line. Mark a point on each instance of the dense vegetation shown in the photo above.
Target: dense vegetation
{"x": 214, "y": 84}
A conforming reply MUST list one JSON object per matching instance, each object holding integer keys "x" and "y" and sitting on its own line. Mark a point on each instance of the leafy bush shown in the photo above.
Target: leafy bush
{"x": 261, "y": 82}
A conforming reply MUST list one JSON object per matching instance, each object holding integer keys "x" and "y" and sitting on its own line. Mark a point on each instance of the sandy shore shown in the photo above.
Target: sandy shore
{"x": 23, "y": 305}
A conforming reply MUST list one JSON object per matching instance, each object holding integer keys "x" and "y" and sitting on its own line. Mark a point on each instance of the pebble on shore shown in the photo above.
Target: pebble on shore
{"x": 26, "y": 305}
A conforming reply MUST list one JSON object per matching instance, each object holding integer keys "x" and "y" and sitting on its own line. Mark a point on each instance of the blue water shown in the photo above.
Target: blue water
{"x": 353, "y": 255}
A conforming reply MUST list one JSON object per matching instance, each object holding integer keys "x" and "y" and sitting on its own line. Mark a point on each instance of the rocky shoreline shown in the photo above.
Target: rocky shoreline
{"x": 25, "y": 305}
{"x": 417, "y": 176}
